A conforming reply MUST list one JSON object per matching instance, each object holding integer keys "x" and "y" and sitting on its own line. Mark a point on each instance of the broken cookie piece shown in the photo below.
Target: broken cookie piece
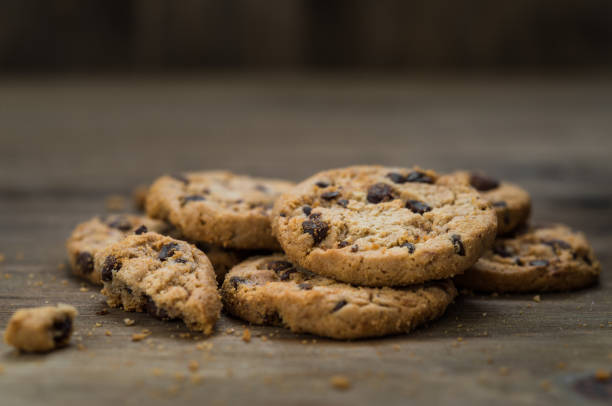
{"x": 40, "y": 329}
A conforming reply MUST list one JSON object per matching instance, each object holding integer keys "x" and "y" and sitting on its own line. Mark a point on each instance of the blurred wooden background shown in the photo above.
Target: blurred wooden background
{"x": 158, "y": 35}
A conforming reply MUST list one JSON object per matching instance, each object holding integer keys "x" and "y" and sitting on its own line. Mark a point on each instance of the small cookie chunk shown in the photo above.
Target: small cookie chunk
{"x": 93, "y": 235}
{"x": 168, "y": 278}
{"x": 272, "y": 290}
{"x": 511, "y": 202}
{"x": 40, "y": 329}
{"x": 218, "y": 207}
{"x": 540, "y": 259}
{"x": 378, "y": 226}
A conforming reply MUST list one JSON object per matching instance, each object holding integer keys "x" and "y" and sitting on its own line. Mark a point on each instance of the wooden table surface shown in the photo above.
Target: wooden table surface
{"x": 67, "y": 144}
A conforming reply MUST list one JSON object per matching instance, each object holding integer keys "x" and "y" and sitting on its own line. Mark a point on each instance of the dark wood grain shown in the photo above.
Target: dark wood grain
{"x": 66, "y": 145}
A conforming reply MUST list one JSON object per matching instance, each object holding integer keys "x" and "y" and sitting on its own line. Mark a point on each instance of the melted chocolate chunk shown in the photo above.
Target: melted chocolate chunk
{"x": 418, "y": 177}
{"x": 587, "y": 260}
{"x": 501, "y": 250}
{"x": 141, "y": 230}
{"x": 155, "y": 311}
{"x": 557, "y": 244}
{"x": 380, "y": 192}
{"x": 110, "y": 264}
{"x": 417, "y": 207}
{"x": 85, "y": 262}
{"x": 167, "y": 251}
{"x": 278, "y": 266}
{"x": 339, "y": 305}
{"x": 305, "y": 286}
{"x": 411, "y": 247}
{"x": 322, "y": 184}
{"x": 518, "y": 261}
{"x": 307, "y": 210}
{"x": 458, "y": 244}
{"x": 342, "y": 244}
{"x": 286, "y": 275}
{"x": 539, "y": 262}
{"x": 396, "y": 177}
{"x": 482, "y": 182}
{"x": 355, "y": 248}
{"x": 317, "y": 228}
{"x": 61, "y": 330}
{"x": 236, "y": 280}
{"x": 192, "y": 198}
{"x": 180, "y": 261}
{"x": 342, "y": 202}
{"x": 121, "y": 223}
{"x": 330, "y": 195}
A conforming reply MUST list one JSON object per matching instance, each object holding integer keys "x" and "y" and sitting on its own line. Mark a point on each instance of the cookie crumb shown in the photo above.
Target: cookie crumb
{"x": 129, "y": 322}
{"x": 196, "y": 378}
{"x": 504, "y": 371}
{"x": 204, "y": 346}
{"x": 561, "y": 365}
{"x": 185, "y": 335}
{"x": 537, "y": 299}
{"x": 7, "y": 276}
{"x": 602, "y": 375}
{"x": 98, "y": 324}
{"x": 114, "y": 203}
{"x": 340, "y": 382}
{"x": 396, "y": 347}
{"x": 83, "y": 289}
{"x": 193, "y": 365}
{"x": 246, "y": 335}
{"x": 157, "y": 372}
{"x": 64, "y": 282}
{"x": 264, "y": 338}
{"x": 545, "y": 385}
{"x": 108, "y": 333}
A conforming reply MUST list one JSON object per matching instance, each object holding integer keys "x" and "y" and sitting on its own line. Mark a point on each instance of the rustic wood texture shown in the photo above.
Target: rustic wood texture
{"x": 68, "y": 144}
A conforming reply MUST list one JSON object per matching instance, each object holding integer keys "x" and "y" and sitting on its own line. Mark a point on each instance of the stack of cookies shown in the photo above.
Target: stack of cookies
{"x": 357, "y": 252}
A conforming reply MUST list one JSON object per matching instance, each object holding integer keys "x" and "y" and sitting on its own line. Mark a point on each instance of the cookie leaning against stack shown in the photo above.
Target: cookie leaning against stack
{"x": 381, "y": 226}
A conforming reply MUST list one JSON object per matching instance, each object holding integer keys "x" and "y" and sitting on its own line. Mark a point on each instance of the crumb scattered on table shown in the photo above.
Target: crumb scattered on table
{"x": 340, "y": 382}
{"x": 129, "y": 322}
{"x": 246, "y": 335}
{"x": 602, "y": 375}
{"x": 537, "y": 299}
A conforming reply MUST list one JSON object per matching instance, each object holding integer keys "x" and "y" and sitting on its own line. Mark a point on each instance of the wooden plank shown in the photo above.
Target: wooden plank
{"x": 67, "y": 145}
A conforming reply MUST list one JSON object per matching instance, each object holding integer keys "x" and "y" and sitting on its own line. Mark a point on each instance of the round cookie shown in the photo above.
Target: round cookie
{"x": 540, "y": 259}
{"x": 379, "y": 226}
{"x": 511, "y": 202}
{"x": 93, "y": 235}
{"x": 218, "y": 207}
{"x": 168, "y": 278}
{"x": 271, "y": 290}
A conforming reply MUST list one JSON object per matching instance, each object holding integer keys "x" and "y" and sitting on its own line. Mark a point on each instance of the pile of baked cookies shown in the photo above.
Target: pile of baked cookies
{"x": 348, "y": 253}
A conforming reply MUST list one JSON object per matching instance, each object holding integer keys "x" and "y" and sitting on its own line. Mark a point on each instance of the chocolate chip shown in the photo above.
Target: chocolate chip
{"x": 322, "y": 184}
{"x": 167, "y": 251}
{"x": 339, "y": 305}
{"x": 261, "y": 188}
{"x": 141, "y": 230}
{"x": 411, "y": 247}
{"x": 286, "y": 275}
{"x": 85, "y": 262}
{"x": 273, "y": 319}
{"x": 380, "y": 192}
{"x": 355, "y": 248}
{"x": 61, "y": 330}
{"x": 500, "y": 203}
{"x": 482, "y": 182}
{"x": 277, "y": 266}
{"x": 342, "y": 244}
{"x": 330, "y": 195}
{"x": 110, "y": 264}
{"x": 283, "y": 214}
{"x": 180, "y": 177}
{"x": 587, "y": 260}
{"x": 192, "y": 198}
{"x": 153, "y": 310}
{"x": 396, "y": 177}
{"x": 120, "y": 223}
{"x": 418, "y": 177}
{"x": 501, "y": 250}
{"x": 180, "y": 261}
{"x": 305, "y": 286}
{"x": 459, "y": 249}
{"x": 557, "y": 244}
{"x": 342, "y": 202}
{"x": 417, "y": 207}
{"x": 313, "y": 216}
{"x": 317, "y": 228}
{"x": 539, "y": 262}
{"x": 235, "y": 281}
{"x": 518, "y": 261}
{"x": 307, "y": 210}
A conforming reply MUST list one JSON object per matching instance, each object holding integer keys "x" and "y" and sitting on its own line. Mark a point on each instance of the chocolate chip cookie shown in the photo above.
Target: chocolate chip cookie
{"x": 540, "y": 259}
{"x": 40, "y": 329}
{"x": 511, "y": 202}
{"x": 379, "y": 226}
{"x": 165, "y": 277}
{"x": 218, "y": 207}
{"x": 272, "y": 290}
{"x": 93, "y": 235}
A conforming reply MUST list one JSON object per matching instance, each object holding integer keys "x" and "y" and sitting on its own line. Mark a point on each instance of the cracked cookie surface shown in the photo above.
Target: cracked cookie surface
{"x": 40, "y": 329}
{"x": 272, "y": 290}
{"x": 218, "y": 207}
{"x": 94, "y": 235}
{"x": 511, "y": 202}
{"x": 381, "y": 226}
{"x": 165, "y": 277}
{"x": 540, "y": 259}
